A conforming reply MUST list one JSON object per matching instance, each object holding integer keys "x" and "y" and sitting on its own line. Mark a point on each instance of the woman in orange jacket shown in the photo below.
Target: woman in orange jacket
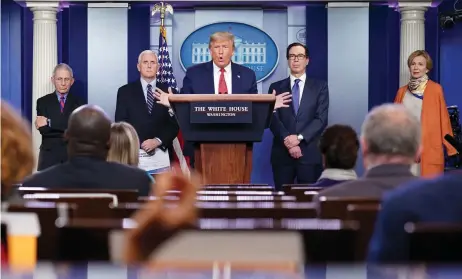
{"x": 425, "y": 99}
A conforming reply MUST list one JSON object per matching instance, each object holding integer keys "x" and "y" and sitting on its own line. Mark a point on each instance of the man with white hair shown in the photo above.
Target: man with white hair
{"x": 53, "y": 111}
{"x": 390, "y": 144}
{"x": 136, "y": 104}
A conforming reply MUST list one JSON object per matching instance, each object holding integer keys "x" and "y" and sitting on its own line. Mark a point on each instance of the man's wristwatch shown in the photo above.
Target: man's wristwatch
{"x": 299, "y": 137}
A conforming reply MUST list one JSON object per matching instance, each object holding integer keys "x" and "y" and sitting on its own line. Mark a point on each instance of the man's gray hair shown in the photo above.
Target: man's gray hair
{"x": 148, "y": 51}
{"x": 391, "y": 129}
{"x": 63, "y": 66}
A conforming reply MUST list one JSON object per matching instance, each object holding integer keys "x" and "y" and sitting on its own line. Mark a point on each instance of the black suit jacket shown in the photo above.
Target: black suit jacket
{"x": 91, "y": 173}
{"x": 310, "y": 121}
{"x": 53, "y": 148}
{"x": 199, "y": 80}
{"x": 132, "y": 108}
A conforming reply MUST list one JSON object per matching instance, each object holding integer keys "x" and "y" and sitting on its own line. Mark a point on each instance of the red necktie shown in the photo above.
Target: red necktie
{"x": 61, "y": 103}
{"x": 222, "y": 88}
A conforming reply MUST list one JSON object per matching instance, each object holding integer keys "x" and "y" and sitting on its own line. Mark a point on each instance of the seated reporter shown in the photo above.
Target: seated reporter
{"x": 124, "y": 145}
{"x": 339, "y": 147}
{"x": 88, "y": 136}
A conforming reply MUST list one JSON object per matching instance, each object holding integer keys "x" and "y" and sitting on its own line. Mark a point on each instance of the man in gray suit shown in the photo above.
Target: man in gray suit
{"x": 390, "y": 144}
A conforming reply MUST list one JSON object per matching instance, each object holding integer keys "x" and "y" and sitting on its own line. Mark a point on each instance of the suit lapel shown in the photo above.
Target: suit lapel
{"x": 305, "y": 97}
{"x": 210, "y": 84}
{"x": 139, "y": 97}
{"x": 235, "y": 80}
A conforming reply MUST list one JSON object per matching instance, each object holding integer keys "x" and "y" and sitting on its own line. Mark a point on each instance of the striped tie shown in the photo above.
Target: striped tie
{"x": 61, "y": 103}
{"x": 150, "y": 98}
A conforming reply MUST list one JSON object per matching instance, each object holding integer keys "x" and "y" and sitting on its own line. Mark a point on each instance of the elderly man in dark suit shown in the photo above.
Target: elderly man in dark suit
{"x": 88, "y": 134}
{"x": 53, "y": 111}
{"x": 390, "y": 144}
{"x": 297, "y": 129}
{"x": 136, "y": 104}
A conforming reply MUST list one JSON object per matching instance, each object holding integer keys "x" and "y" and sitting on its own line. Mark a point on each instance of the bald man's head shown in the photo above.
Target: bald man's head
{"x": 88, "y": 132}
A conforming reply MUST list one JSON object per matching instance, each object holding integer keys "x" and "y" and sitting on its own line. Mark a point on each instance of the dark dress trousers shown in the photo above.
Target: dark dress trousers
{"x": 53, "y": 149}
{"x": 310, "y": 121}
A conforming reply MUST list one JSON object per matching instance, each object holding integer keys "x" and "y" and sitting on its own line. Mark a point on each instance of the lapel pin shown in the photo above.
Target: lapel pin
{"x": 238, "y": 76}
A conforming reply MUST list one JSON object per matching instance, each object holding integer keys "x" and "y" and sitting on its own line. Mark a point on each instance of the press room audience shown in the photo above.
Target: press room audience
{"x": 88, "y": 137}
{"x": 339, "y": 147}
{"x": 390, "y": 144}
{"x": 432, "y": 114}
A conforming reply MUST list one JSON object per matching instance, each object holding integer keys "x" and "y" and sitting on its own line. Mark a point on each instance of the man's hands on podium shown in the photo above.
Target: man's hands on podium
{"x": 161, "y": 218}
{"x": 162, "y": 97}
{"x": 291, "y": 142}
{"x": 40, "y": 121}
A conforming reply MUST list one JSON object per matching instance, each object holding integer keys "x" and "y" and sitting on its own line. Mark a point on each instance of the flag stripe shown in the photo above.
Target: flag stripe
{"x": 165, "y": 76}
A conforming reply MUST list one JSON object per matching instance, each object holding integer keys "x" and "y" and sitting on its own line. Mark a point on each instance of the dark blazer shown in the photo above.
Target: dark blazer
{"x": 310, "y": 121}
{"x": 131, "y": 107}
{"x": 91, "y": 173}
{"x": 436, "y": 200}
{"x": 53, "y": 149}
{"x": 376, "y": 182}
{"x": 199, "y": 80}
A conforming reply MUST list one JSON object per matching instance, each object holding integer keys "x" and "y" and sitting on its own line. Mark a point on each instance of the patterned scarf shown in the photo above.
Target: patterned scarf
{"x": 417, "y": 85}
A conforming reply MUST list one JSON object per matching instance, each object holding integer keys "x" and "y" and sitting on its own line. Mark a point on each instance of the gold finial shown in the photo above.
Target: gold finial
{"x": 162, "y": 8}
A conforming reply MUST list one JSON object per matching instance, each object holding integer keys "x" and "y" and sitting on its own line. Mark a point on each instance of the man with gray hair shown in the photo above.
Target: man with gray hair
{"x": 53, "y": 111}
{"x": 390, "y": 144}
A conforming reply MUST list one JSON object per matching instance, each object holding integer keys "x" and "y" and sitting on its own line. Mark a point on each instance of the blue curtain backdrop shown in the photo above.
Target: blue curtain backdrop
{"x": 11, "y": 53}
{"x": 384, "y": 36}
{"x": 139, "y": 37}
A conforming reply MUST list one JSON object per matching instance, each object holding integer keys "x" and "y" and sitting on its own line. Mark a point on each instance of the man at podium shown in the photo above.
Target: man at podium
{"x": 220, "y": 76}
{"x": 297, "y": 129}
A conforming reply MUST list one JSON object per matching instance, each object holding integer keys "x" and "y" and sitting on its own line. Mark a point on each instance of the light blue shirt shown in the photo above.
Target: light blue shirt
{"x": 144, "y": 84}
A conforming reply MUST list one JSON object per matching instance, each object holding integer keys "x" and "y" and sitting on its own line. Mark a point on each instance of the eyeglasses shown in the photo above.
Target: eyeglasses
{"x": 66, "y": 80}
{"x": 299, "y": 56}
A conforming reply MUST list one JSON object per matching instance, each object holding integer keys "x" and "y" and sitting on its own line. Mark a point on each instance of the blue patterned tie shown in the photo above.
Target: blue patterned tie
{"x": 296, "y": 95}
{"x": 150, "y": 98}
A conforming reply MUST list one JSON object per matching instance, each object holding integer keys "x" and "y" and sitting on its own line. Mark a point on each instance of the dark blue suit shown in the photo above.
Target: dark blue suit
{"x": 436, "y": 200}
{"x": 310, "y": 121}
{"x": 131, "y": 107}
{"x": 199, "y": 80}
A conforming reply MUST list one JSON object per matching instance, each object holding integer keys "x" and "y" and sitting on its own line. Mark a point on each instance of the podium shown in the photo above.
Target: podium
{"x": 223, "y": 129}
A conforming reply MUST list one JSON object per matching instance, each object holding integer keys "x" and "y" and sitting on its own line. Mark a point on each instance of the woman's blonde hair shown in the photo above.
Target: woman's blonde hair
{"x": 124, "y": 144}
{"x": 17, "y": 152}
{"x": 422, "y": 53}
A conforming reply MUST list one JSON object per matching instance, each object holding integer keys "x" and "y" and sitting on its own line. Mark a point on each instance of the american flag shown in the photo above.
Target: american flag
{"x": 165, "y": 76}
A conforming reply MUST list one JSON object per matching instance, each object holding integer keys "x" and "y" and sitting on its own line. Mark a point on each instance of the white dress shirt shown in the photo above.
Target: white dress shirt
{"x": 228, "y": 77}
{"x": 144, "y": 84}
{"x": 301, "y": 84}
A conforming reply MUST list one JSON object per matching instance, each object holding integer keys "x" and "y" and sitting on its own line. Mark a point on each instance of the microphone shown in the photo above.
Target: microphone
{"x": 452, "y": 141}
